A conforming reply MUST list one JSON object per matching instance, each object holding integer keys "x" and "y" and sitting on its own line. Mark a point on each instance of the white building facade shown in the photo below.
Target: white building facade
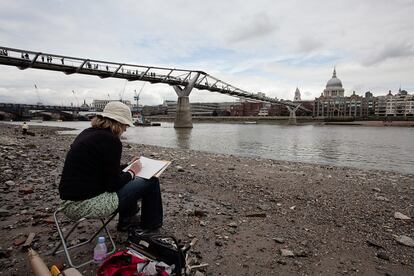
{"x": 400, "y": 104}
{"x": 100, "y": 104}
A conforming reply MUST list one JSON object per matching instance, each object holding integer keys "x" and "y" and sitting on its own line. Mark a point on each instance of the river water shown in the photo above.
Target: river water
{"x": 383, "y": 148}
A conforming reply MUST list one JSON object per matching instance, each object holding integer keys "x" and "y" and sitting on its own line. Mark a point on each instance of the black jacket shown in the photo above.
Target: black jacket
{"x": 92, "y": 166}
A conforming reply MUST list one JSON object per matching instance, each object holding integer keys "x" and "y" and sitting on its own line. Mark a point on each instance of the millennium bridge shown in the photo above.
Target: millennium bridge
{"x": 182, "y": 80}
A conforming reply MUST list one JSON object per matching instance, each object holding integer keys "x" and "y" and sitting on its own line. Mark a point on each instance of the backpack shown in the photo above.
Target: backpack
{"x": 160, "y": 247}
{"x": 120, "y": 264}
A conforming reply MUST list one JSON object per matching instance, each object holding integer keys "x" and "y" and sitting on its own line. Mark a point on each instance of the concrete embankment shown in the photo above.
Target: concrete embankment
{"x": 238, "y": 119}
{"x": 252, "y": 216}
{"x": 401, "y": 122}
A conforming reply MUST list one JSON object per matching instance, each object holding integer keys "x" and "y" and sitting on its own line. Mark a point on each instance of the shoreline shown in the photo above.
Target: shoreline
{"x": 279, "y": 121}
{"x": 251, "y": 208}
{"x": 285, "y": 120}
{"x": 61, "y": 129}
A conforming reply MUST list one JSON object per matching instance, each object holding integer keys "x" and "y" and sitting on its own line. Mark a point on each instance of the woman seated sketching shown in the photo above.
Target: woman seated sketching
{"x": 93, "y": 184}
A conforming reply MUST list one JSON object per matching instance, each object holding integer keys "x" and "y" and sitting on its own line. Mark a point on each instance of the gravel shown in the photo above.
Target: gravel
{"x": 244, "y": 211}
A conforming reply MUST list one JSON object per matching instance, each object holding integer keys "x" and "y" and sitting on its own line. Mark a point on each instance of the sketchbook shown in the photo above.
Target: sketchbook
{"x": 151, "y": 167}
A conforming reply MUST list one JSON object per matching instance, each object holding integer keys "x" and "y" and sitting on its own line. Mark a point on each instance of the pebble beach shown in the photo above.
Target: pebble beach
{"x": 251, "y": 216}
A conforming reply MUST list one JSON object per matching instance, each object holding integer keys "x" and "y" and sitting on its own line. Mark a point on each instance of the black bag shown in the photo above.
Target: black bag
{"x": 160, "y": 247}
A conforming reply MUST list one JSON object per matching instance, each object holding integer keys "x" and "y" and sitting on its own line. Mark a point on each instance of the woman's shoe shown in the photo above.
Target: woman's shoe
{"x": 125, "y": 224}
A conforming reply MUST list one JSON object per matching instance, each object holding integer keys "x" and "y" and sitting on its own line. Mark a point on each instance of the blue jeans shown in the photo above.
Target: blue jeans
{"x": 148, "y": 190}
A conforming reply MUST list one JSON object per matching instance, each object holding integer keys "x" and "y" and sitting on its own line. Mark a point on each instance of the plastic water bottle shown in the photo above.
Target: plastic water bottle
{"x": 99, "y": 253}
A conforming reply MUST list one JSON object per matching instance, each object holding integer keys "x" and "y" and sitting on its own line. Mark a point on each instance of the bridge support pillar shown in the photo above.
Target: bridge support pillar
{"x": 292, "y": 114}
{"x": 183, "y": 116}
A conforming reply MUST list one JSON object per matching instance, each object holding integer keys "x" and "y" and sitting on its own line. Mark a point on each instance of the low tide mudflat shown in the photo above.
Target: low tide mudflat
{"x": 243, "y": 211}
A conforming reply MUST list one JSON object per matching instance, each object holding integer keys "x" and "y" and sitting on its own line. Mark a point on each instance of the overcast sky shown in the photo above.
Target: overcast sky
{"x": 263, "y": 45}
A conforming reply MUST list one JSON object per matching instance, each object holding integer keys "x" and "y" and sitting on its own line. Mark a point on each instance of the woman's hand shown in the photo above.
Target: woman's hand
{"x": 136, "y": 167}
{"x": 135, "y": 158}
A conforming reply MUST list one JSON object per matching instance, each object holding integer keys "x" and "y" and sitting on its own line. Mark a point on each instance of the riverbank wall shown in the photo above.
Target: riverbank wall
{"x": 405, "y": 122}
{"x": 252, "y": 216}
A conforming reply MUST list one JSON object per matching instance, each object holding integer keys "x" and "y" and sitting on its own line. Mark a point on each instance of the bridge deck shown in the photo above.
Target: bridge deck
{"x": 24, "y": 59}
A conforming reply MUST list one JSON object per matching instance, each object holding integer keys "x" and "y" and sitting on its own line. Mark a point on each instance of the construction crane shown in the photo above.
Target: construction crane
{"x": 39, "y": 102}
{"x": 136, "y": 97}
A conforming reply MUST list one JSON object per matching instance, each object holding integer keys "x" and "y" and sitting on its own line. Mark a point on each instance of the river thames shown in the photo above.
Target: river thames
{"x": 382, "y": 148}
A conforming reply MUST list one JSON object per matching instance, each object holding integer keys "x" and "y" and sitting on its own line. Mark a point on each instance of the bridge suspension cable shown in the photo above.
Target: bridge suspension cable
{"x": 24, "y": 59}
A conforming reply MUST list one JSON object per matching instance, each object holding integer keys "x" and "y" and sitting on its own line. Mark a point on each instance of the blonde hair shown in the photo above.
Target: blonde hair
{"x": 103, "y": 122}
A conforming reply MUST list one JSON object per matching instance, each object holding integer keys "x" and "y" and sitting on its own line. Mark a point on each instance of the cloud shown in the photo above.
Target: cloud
{"x": 309, "y": 44}
{"x": 256, "y": 27}
{"x": 391, "y": 51}
{"x": 266, "y": 45}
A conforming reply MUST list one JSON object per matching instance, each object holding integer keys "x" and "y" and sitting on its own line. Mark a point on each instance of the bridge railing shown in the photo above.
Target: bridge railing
{"x": 24, "y": 59}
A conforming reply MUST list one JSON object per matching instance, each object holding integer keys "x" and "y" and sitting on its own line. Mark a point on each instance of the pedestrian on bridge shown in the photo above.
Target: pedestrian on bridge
{"x": 93, "y": 184}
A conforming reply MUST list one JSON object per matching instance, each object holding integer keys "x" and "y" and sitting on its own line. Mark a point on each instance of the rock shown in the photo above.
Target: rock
{"x": 49, "y": 220}
{"x": 198, "y": 273}
{"x": 282, "y": 262}
{"x": 10, "y": 183}
{"x": 301, "y": 253}
{"x": 286, "y": 253}
{"x": 256, "y": 215}
{"x": 4, "y": 212}
{"x": 26, "y": 190}
{"x": 382, "y": 198}
{"x": 179, "y": 169}
{"x": 374, "y": 244}
{"x": 399, "y": 215}
{"x": 383, "y": 255}
{"x": 218, "y": 243}
{"x": 29, "y": 239}
{"x": 279, "y": 240}
{"x": 200, "y": 213}
{"x": 264, "y": 207}
{"x": 19, "y": 242}
{"x": 376, "y": 189}
{"x": 203, "y": 223}
{"x": 404, "y": 240}
{"x": 232, "y": 230}
{"x": 231, "y": 169}
{"x": 232, "y": 224}
{"x": 5, "y": 253}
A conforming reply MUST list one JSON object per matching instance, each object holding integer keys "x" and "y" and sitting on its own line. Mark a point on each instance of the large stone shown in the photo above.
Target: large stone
{"x": 404, "y": 240}
{"x": 232, "y": 224}
{"x": 256, "y": 215}
{"x": 279, "y": 240}
{"x": 26, "y": 190}
{"x": 4, "y": 212}
{"x": 399, "y": 215}
{"x": 286, "y": 253}
{"x": 10, "y": 183}
{"x": 383, "y": 255}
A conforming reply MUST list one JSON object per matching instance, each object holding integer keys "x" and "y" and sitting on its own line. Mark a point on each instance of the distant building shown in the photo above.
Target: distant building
{"x": 84, "y": 105}
{"x": 333, "y": 103}
{"x": 297, "y": 95}
{"x": 154, "y": 110}
{"x": 246, "y": 108}
{"x": 202, "y": 109}
{"x": 401, "y": 104}
{"x": 100, "y": 104}
{"x": 334, "y": 87}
